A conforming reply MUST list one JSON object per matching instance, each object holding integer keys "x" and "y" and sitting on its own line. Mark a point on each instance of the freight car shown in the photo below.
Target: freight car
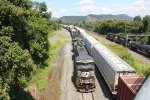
{"x": 139, "y": 46}
{"x": 134, "y": 45}
{"x": 128, "y": 86}
{"x": 80, "y": 49}
{"x": 110, "y": 65}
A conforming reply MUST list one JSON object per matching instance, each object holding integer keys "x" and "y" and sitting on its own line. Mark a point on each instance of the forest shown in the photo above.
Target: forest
{"x": 24, "y": 26}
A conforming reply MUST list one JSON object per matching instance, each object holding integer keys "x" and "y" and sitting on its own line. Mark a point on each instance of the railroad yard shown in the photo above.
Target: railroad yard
{"x": 61, "y": 84}
{"x": 74, "y": 50}
{"x": 63, "y": 87}
{"x": 63, "y": 79}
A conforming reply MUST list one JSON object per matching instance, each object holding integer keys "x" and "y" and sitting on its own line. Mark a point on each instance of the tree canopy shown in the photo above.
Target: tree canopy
{"x": 23, "y": 42}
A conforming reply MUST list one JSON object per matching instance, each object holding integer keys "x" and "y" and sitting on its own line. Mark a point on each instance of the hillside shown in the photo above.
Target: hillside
{"x": 92, "y": 17}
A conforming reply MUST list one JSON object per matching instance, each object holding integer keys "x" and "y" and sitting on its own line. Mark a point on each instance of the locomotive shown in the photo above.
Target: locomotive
{"x": 84, "y": 69}
{"x": 84, "y": 64}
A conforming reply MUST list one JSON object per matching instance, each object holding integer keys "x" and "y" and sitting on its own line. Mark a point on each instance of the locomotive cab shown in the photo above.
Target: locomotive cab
{"x": 85, "y": 72}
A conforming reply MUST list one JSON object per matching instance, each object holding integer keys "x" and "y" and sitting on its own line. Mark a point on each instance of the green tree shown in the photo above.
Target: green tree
{"x": 146, "y": 24}
{"x": 16, "y": 65}
{"x": 137, "y": 18}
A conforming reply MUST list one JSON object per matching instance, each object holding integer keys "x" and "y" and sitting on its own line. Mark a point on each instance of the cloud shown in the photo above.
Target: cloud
{"x": 138, "y": 7}
{"x": 60, "y": 13}
{"x": 86, "y": 6}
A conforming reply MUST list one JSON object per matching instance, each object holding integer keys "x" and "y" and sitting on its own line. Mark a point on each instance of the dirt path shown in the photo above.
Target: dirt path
{"x": 53, "y": 90}
{"x": 57, "y": 36}
{"x": 140, "y": 57}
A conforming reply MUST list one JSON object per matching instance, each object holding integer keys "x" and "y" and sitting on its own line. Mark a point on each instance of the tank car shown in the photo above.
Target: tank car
{"x": 140, "y": 46}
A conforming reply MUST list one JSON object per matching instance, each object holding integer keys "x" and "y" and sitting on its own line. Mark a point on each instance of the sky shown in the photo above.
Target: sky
{"x": 132, "y": 8}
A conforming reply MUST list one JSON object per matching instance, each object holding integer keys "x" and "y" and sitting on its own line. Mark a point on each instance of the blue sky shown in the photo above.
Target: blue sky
{"x": 132, "y": 8}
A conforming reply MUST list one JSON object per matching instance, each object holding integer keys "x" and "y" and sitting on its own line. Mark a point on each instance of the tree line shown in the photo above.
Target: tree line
{"x": 137, "y": 26}
{"x": 24, "y": 26}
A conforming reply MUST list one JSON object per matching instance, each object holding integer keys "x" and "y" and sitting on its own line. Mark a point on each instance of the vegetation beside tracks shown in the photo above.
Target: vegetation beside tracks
{"x": 41, "y": 76}
{"x": 124, "y": 53}
{"x": 24, "y": 27}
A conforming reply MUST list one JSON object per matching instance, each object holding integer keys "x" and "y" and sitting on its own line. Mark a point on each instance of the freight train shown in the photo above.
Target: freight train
{"x": 110, "y": 66}
{"x": 84, "y": 64}
{"x": 133, "y": 45}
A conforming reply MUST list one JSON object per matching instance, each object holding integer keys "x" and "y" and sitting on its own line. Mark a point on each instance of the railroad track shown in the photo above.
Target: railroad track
{"x": 88, "y": 96}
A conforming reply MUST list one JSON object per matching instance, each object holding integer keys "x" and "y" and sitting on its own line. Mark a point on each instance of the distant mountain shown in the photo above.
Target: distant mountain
{"x": 92, "y": 17}
{"x": 54, "y": 19}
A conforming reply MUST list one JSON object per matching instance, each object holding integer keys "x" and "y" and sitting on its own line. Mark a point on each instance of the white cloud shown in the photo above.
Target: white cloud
{"x": 86, "y": 6}
{"x": 60, "y": 13}
{"x": 139, "y": 7}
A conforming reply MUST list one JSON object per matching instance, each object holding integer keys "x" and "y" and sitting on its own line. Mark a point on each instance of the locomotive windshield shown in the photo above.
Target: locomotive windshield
{"x": 86, "y": 67}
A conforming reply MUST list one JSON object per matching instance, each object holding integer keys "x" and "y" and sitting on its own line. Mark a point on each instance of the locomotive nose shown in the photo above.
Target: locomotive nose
{"x": 87, "y": 87}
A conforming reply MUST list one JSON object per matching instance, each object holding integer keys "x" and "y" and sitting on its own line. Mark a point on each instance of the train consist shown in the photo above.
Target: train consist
{"x": 110, "y": 66}
{"x": 84, "y": 64}
{"x": 133, "y": 45}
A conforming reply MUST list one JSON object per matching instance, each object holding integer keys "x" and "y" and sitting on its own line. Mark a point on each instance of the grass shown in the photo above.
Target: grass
{"x": 41, "y": 76}
{"x": 52, "y": 33}
{"x": 124, "y": 53}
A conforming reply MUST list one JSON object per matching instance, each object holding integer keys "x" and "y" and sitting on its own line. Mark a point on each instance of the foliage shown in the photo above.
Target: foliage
{"x": 41, "y": 75}
{"x": 23, "y": 43}
{"x": 126, "y": 56}
{"x": 16, "y": 65}
{"x": 116, "y": 26}
{"x": 146, "y": 24}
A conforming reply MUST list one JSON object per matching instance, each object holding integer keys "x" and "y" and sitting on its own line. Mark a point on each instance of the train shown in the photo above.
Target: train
{"x": 139, "y": 46}
{"x": 84, "y": 64}
{"x": 131, "y": 44}
{"x": 109, "y": 65}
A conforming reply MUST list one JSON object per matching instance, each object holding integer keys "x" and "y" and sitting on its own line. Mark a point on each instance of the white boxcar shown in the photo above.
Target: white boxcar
{"x": 110, "y": 66}
{"x": 90, "y": 42}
